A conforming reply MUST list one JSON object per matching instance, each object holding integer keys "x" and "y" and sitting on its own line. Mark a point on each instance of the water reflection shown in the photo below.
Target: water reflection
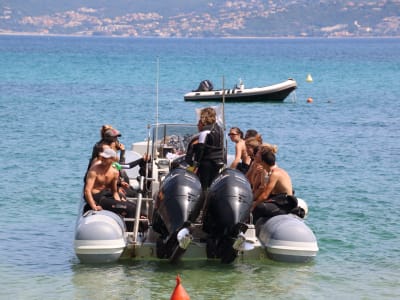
{"x": 201, "y": 279}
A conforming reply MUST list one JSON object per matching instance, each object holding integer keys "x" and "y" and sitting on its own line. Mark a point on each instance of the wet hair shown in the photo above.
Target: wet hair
{"x": 268, "y": 147}
{"x": 208, "y": 116}
{"x": 268, "y": 157}
{"x": 252, "y": 142}
{"x": 238, "y": 131}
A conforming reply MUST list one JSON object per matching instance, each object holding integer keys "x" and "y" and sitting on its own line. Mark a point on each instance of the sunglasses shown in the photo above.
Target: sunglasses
{"x": 232, "y": 134}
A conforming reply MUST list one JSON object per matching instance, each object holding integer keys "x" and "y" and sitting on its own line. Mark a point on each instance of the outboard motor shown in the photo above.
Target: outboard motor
{"x": 229, "y": 200}
{"x": 178, "y": 204}
{"x": 205, "y": 86}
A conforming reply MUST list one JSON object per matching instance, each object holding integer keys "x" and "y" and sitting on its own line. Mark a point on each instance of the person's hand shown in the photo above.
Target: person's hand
{"x": 121, "y": 146}
{"x": 124, "y": 184}
{"x": 259, "y": 168}
{"x": 97, "y": 208}
{"x": 146, "y": 157}
{"x": 192, "y": 169}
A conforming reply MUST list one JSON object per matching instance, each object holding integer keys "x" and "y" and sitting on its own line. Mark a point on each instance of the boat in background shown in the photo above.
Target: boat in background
{"x": 272, "y": 93}
{"x": 171, "y": 222}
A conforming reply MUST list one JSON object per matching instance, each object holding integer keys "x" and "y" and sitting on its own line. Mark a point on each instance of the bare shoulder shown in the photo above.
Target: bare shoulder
{"x": 242, "y": 144}
{"x": 113, "y": 171}
{"x": 278, "y": 172}
{"x": 94, "y": 169}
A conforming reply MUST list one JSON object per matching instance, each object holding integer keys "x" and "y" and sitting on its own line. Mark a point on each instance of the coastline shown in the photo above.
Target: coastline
{"x": 36, "y": 34}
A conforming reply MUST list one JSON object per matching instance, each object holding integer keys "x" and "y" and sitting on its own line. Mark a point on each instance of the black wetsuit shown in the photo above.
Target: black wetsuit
{"x": 210, "y": 156}
{"x": 277, "y": 204}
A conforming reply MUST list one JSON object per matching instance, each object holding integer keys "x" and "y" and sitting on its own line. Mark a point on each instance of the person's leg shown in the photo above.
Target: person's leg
{"x": 206, "y": 173}
{"x": 265, "y": 210}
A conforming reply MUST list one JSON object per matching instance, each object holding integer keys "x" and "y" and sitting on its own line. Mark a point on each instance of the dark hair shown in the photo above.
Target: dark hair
{"x": 238, "y": 131}
{"x": 250, "y": 133}
{"x": 268, "y": 157}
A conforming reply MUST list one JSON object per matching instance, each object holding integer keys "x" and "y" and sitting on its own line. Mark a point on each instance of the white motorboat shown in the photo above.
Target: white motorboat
{"x": 271, "y": 93}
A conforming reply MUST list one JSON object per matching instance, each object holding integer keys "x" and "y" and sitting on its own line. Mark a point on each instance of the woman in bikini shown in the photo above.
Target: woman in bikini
{"x": 242, "y": 159}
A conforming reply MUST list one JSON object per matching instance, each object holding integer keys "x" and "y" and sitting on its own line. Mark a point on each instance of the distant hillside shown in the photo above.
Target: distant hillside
{"x": 200, "y": 18}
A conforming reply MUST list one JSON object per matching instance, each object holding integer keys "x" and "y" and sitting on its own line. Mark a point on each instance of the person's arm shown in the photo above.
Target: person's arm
{"x": 238, "y": 155}
{"x": 90, "y": 179}
{"x": 135, "y": 163}
{"x": 259, "y": 182}
{"x": 199, "y": 148}
{"x": 264, "y": 195}
{"x": 121, "y": 148}
{"x": 114, "y": 187}
{"x": 249, "y": 175}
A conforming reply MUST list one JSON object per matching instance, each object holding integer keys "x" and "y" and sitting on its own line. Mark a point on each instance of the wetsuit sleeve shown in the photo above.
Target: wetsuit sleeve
{"x": 142, "y": 168}
{"x": 198, "y": 153}
{"x": 122, "y": 157}
{"x": 133, "y": 164}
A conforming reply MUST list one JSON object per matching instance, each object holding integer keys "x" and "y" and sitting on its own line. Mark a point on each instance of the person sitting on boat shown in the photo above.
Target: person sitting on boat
{"x": 101, "y": 190}
{"x": 109, "y": 136}
{"x": 189, "y": 155}
{"x": 276, "y": 196}
{"x": 209, "y": 151}
{"x": 252, "y": 146}
{"x": 242, "y": 159}
{"x": 109, "y": 139}
{"x": 257, "y": 175}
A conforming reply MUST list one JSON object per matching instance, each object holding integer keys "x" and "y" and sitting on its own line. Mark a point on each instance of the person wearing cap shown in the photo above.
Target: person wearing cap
{"x": 101, "y": 190}
{"x": 109, "y": 137}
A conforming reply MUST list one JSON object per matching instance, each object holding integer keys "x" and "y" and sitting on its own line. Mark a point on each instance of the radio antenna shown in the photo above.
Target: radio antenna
{"x": 157, "y": 83}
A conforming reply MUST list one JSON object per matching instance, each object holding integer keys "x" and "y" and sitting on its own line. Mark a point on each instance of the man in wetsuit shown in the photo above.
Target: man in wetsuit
{"x": 209, "y": 151}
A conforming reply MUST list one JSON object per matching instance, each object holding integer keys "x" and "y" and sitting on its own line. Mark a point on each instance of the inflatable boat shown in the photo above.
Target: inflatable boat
{"x": 272, "y": 93}
{"x": 175, "y": 220}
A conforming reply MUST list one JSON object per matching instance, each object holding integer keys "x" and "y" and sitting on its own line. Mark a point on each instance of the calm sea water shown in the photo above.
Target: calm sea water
{"x": 342, "y": 151}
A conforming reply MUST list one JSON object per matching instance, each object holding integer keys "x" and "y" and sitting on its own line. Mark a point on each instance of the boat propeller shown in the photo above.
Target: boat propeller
{"x": 184, "y": 238}
{"x": 241, "y": 244}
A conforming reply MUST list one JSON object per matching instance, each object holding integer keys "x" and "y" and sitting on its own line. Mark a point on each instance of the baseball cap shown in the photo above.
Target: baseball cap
{"x": 112, "y": 133}
{"x": 108, "y": 152}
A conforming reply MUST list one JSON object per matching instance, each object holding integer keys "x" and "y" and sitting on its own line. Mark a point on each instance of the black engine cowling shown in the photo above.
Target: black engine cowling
{"x": 229, "y": 200}
{"x": 178, "y": 204}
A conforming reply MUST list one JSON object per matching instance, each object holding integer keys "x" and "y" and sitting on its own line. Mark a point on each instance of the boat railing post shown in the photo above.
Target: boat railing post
{"x": 138, "y": 210}
{"x": 224, "y": 142}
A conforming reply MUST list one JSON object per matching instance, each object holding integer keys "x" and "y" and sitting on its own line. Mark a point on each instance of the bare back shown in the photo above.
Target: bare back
{"x": 283, "y": 183}
{"x": 240, "y": 154}
{"x": 279, "y": 182}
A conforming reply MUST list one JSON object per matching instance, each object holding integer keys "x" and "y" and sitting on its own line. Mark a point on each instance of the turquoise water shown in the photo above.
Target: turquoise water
{"x": 342, "y": 152}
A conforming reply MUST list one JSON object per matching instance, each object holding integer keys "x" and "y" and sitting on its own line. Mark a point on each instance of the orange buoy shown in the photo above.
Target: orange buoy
{"x": 179, "y": 292}
{"x": 309, "y": 100}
